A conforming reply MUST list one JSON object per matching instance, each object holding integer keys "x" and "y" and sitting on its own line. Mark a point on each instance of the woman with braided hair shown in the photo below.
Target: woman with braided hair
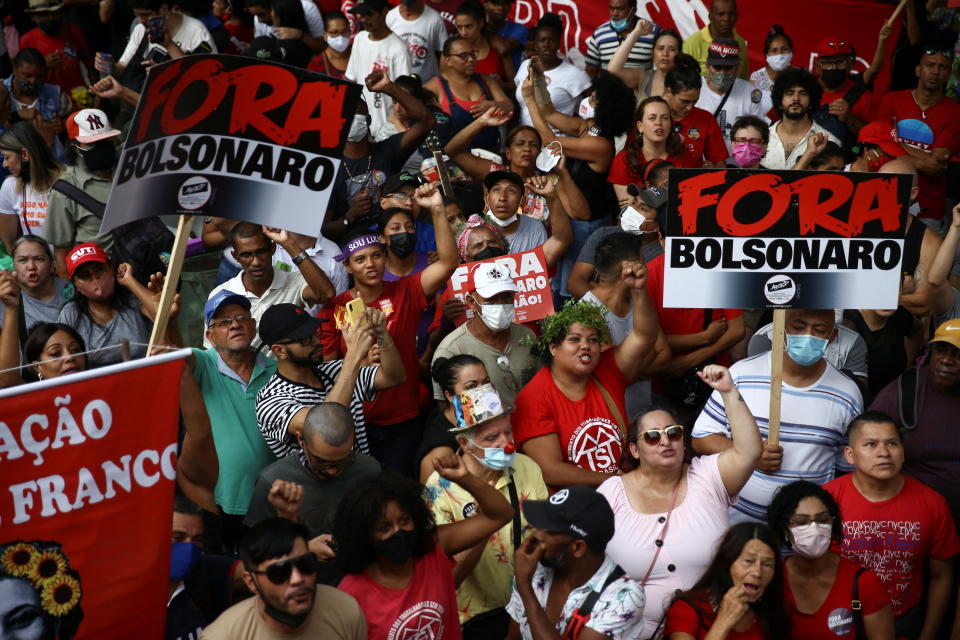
{"x": 571, "y": 417}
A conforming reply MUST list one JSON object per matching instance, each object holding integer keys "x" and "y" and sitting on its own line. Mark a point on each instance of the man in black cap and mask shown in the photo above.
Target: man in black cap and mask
{"x": 565, "y": 560}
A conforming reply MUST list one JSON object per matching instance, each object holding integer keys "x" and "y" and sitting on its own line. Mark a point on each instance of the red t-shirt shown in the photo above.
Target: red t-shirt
{"x": 587, "y": 429}
{"x": 702, "y": 136}
{"x": 834, "y": 618}
{"x": 683, "y": 618}
{"x": 425, "y": 608}
{"x": 862, "y": 108}
{"x": 941, "y": 124}
{"x": 402, "y": 301}
{"x": 620, "y": 172}
{"x": 893, "y": 537}
{"x": 72, "y": 45}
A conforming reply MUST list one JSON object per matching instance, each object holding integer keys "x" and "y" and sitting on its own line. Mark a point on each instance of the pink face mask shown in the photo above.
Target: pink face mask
{"x": 747, "y": 154}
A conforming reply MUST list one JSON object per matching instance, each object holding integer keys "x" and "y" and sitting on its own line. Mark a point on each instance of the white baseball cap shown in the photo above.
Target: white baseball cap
{"x": 89, "y": 125}
{"x": 491, "y": 278}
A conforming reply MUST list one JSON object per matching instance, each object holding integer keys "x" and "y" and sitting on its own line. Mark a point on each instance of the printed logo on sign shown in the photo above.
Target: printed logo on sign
{"x": 194, "y": 193}
{"x": 422, "y": 621}
{"x": 596, "y": 445}
{"x": 840, "y": 621}
{"x": 559, "y": 497}
{"x": 779, "y": 289}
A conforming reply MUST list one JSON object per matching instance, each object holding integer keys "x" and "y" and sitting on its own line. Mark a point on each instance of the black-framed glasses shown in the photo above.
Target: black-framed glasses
{"x": 466, "y": 56}
{"x": 325, "y": 466}
{"x": 226, "y": 322}
{"x": 279, "y": 572}
{"x": 246, "y": 256}
{"x": 303, "y": 342}
{"x": 653, "y": 436}
{"x": 804, "y": 520}
{"x": 742, "y": 140}
{"x": 946, "y": 53}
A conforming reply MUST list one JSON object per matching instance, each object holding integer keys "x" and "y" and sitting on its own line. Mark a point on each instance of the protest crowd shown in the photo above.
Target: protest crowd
{"x": 390, "y": 429}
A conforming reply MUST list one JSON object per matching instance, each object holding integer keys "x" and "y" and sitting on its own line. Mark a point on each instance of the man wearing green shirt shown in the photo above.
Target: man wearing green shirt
{"x": 722, "y": 20}
{"x": 230, "y": 374}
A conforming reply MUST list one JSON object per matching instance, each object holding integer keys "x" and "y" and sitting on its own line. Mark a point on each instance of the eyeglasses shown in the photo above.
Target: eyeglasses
{"x": 467, "y": 55}
{"x": 399, "y": 196}
{"x": 937, "y": 52}
{"x": 804, "y": 520}
{"x": 226, "y": 322}
{"x": 246, "y": 256}
{"x": 835, "y": 64}
{"x": 654, "y": 436}
{"x": 321, "y": 465}
{"x": 756, "y": 141}
{"x": 303, "y": 342}
{"x": 279, "y": 572}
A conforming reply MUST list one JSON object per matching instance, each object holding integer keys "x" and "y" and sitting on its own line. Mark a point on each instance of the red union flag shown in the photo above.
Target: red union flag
{"x": 88, "y": 464}
{"x": 528, "y": 269}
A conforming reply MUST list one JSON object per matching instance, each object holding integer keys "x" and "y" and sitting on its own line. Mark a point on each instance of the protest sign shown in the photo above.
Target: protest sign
{"x": 533, "y": 301}
{"x": 233, "y": 137}
{"x": 750, "y": 239}
{"x": 89, "y": 462}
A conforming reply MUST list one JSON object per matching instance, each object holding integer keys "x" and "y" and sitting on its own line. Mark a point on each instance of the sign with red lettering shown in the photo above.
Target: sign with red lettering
{"x": 748, "y": 239}
{"x": 89, "y": 462}
{"x": 233, "y": 137}
{"x": 533, "y": 301}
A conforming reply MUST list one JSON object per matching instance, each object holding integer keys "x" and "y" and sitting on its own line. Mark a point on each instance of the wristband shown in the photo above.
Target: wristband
{"x": 300, "y": 257}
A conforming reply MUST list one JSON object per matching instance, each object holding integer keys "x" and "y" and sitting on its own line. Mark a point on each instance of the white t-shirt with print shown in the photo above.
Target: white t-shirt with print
{"x": 390, "y": 55}
{"x": 189, "y": 37}
{"x": 424, "y": 37}
{"x": 29, "y": 205}
{"x": 565, "y": 83}
{"x": 745, "y": 100}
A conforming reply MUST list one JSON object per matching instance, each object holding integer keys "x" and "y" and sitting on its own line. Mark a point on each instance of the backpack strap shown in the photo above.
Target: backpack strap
{"x": 612, "y": 406}
{"x": 907, "y": 387}
{"x": 855, "y": 93}
{"x": 856, "y": 606}
{"x": 723, "y": 102}
{"x": 580, "y": 617}
{"x": 515, "y": 502}
{"x": 80, "y": 196}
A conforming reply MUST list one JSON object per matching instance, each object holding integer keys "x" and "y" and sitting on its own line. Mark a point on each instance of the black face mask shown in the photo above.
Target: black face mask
{"x": 399, "y": 547}
{"x": 284, "y": 618}
{"x": 402, "y": 244}
{"x": 100, "y": 157}
{"x": 833, "y": 78}
{"x": 28, "y": 88}
{"x": 50, "y": 27}
{"x": 489, "y": 252}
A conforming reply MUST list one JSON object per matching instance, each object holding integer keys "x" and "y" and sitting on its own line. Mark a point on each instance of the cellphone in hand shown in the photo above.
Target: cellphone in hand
{"x": 156, "y": 27}
{"x": 355, "y": 309}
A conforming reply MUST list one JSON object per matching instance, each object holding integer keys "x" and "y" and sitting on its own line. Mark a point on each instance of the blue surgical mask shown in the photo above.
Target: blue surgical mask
{"x": 494, "y": 458}
{"x": 184, "y": 556}
{"x": 805, "y": 349}
{"x": 619, "y": 25}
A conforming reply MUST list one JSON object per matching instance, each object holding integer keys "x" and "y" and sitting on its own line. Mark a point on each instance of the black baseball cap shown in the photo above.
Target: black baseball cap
{"x": 397, "y": 180}
{"x": 265, "y": 48}
{"x": 287, "y": 321}
{"x": 496, "y": 176}
{"x": 653, "y": 197}
{"x": 366, "y": 6}
{"x": 577, "y": 510}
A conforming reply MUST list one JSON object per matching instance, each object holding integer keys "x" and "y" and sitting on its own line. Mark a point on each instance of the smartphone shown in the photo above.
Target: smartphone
{"x": 355, "y": 309}
{"x": 156, "y": 27}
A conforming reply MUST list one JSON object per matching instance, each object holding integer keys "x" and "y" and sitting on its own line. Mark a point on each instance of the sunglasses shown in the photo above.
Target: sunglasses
{"x": 937, "y": 52}
{"x": 654, "y": 436}
{"x": 279, "y": 572}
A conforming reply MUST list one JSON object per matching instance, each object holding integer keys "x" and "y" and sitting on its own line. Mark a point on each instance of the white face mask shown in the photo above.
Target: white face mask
{"x": 504, "y": 223}
{"x": 359, "y": 130}
{"x": 780, "y": 61}
{"x": 914, "y": 209}
{"x": 586, "y": 109}
{"x": 811, "y": 540}
{"x": 339, "y": 44}
{"x": 631, "y": 220}
{"x": 497, "y": 317}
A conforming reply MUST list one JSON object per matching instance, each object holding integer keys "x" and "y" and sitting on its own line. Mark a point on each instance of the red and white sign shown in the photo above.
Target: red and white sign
{"x": 89, "y": 462}
{"x": 533, "y": 301}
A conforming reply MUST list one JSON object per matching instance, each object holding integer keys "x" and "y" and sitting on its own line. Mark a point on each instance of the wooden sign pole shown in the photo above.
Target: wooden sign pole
{"x": 170, "y": 281}
{"x": 896, "y": 12}
{"x": 776, "y": 376}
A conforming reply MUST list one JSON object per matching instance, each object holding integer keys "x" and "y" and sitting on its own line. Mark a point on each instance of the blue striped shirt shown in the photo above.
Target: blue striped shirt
{"x": 604, "y": 42}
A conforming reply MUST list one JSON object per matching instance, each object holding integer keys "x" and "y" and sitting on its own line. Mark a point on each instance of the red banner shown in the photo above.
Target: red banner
{"x": 528, "y": 269}
{"x": 89, "y": 463}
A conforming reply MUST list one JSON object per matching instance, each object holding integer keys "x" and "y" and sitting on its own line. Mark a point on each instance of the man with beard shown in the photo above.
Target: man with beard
{"x": 795, "y": 95}
{"x": 565, "y": 561}
{"x": 281, "y": 570}
{"x": 303, "y": 379}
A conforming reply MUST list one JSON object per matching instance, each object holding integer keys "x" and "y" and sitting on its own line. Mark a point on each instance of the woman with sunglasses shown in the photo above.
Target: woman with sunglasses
{"x": 818, "y": 583}
{"x": 464, "y": 94}
{"x": 397, "y": 559}
{"x": 669, "y": 514}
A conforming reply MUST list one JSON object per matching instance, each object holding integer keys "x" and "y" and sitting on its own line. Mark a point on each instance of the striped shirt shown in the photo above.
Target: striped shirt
{"x": 604, "y": 42}
{"x": 813, "y": 429}
{"x": 280, "y": 399}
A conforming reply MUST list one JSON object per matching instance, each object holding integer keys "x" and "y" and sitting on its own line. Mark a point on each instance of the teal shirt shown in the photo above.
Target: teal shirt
{"x": 231, "y": 405}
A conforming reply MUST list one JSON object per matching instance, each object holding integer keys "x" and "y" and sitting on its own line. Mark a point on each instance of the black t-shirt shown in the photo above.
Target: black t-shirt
{"x": 369, "y": 172}
{"x": 436, "y": 433}
{"x": 207, "y": 593}
{"x": 886, "y": 354}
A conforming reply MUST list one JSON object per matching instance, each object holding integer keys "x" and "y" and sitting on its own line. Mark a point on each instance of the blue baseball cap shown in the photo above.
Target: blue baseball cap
{"x": 223, "y": 298}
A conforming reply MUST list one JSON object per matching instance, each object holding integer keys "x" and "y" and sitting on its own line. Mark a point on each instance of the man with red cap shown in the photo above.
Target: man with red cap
{"x": 68, "y": 221}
